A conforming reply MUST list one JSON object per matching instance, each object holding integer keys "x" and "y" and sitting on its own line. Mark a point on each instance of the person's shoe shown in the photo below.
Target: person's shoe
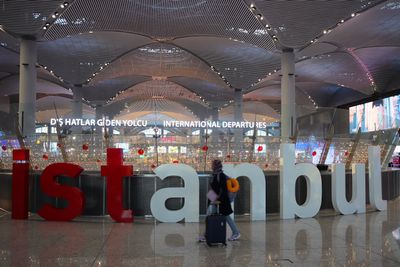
{"x": 201, "y": 238}
{"x": 234, "y": 237}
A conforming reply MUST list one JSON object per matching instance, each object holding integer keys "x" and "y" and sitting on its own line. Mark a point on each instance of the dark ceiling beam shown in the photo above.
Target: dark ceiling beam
{"x": 374, "y": 97}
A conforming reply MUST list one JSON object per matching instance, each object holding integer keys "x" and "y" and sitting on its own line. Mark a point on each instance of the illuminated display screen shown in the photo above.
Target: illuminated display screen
{"x": 162, "y": 149}
{"x": 124, "y": 146}
{"x": 377, "y": 115}
{"x": 173, "y": 150}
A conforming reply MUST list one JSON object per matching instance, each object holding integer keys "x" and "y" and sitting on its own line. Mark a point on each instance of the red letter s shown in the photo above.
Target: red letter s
{"x": 73, "y": 195}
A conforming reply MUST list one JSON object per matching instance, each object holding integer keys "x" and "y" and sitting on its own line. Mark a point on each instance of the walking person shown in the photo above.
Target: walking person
{"x": 218, "y": 185}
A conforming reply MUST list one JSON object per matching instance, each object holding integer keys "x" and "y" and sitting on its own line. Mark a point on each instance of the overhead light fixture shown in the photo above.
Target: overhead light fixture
{"x": 353, "y": 15}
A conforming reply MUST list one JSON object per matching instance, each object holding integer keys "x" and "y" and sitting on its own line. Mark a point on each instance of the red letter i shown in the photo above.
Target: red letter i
{"x": 20, "y": 184}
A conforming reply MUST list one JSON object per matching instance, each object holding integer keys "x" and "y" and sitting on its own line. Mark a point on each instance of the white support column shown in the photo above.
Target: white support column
{"x": 77, "y": 108}
{"x": 203, "y": 132}
{"x": 214, "y": 117}
{"x": 214, "y": 113}
{"x": 238, "y": 116}
{"x": 288, "y": 95}
{"x": 99, "y": 115}
{"x": 27, "y": 86}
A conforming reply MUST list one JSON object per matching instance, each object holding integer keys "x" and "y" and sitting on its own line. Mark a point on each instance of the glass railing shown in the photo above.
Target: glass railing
{"x": 321, "y": 136}
{"x": 145, "y": 153}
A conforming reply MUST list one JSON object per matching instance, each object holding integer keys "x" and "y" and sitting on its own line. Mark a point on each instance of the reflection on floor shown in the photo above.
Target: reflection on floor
{"x": 370, "y": 239}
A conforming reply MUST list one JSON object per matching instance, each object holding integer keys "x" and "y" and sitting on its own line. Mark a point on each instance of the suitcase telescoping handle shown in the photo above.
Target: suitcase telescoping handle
{"x": 216, "y": 203}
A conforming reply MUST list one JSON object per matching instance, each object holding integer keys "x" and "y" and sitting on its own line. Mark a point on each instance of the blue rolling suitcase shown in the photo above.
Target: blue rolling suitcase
{"x": 216, "y": 229}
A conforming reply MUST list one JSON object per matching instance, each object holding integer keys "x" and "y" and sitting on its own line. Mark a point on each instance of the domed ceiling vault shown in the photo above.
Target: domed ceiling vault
{"x": 345, "y": 50}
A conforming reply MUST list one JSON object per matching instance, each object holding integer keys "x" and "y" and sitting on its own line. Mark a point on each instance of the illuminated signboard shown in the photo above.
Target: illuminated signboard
{"x": 377, "y": 115}
{"x": 166, "y": 124}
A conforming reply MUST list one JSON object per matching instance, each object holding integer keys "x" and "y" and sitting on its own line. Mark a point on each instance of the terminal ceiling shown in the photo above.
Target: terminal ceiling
{"x": 184, "y": 58}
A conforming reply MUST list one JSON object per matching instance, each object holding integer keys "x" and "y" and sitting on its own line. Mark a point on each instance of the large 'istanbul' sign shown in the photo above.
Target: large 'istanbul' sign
{"x": 114, "y": 172}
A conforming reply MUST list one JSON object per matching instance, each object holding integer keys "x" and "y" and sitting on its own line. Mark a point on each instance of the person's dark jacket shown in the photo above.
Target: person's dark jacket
{"x": 219, "y": 187}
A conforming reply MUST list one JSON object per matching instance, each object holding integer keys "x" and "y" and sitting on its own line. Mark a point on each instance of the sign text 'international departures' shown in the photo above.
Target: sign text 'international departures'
{"x": 166, "y": 124}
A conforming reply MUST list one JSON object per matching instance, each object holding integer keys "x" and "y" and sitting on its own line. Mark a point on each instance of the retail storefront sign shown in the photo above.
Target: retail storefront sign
{"x": 114, "y": 171}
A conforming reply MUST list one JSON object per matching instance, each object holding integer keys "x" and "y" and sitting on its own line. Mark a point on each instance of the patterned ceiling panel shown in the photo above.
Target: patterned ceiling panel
{"x": 44, "y": 116}
{"x": 383, "y": 63}
{"x": 3, "y": 75}
{"x": 341, "y": 69}
{"x": 77, "y": 58}
{"x": 44, "y": 86}
{"x": 26, "y": 17}
{"x": 9, "y": 61}
{"x": 259, "y": 108}
{"x": 272, "y": 96}
{"x": 157, "y": 106}
{"x": 156, "y": 119}
{"x": 394, "y": 84}
{"x": 106, "y": 89}
{"x": 378, "y": 26}
{"x": 45, "y": 109}
{"x": 10, "y": 86}
{"x": 272, "y": 80}
{"x": 8, "y": 41}
{"x": 208, "y": 47}
{"x": 271, "y": 92}
{"x": 163, "y": 19}
{"x": 343, "y": 96}
{"x": 194, "y": 108}
{"x": 296, "y": 23}
{"x": 252, "y": 111}
{"x": 210, "y": 91}
{"x": 315, "y": 50}
{"x": 47, "y": 103}
{"x": 160, "y": 60}
{"x": 240, "y": 64}
{"x": 324, "y": 94}
{"x": 159, "y": 90}
{"x": 198, "y": 109}
{"x": 46, "y": 75}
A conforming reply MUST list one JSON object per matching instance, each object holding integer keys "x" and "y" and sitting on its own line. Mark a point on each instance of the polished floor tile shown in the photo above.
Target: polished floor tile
{"x": 329, "y": 239}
